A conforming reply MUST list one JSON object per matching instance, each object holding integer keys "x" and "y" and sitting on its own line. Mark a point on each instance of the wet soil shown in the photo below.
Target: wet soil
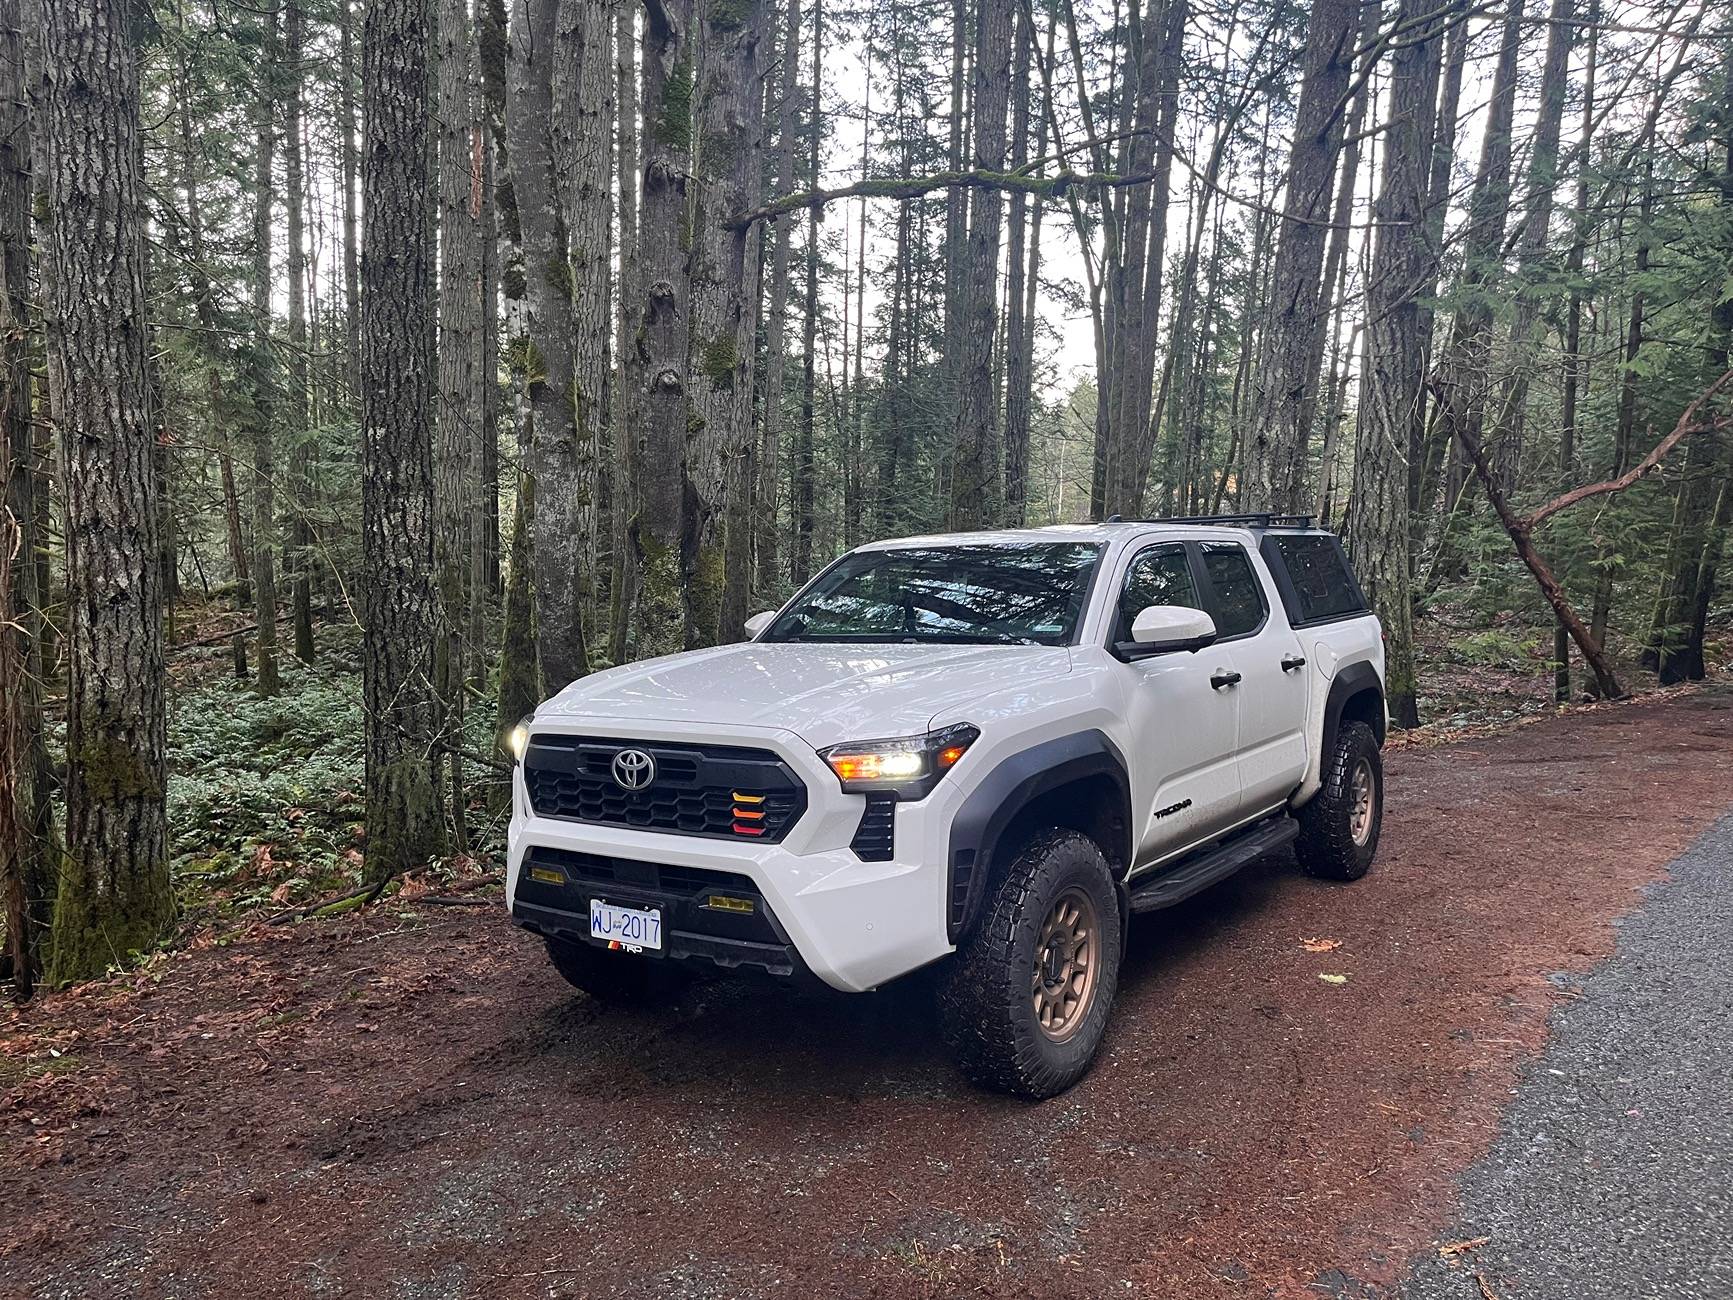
{"x": 409, "y": 1103}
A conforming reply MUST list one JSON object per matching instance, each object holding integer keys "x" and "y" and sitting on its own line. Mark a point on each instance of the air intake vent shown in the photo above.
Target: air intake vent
{"x": 875, "y": 838}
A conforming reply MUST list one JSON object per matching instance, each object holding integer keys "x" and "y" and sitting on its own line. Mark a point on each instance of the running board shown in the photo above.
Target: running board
{"x": 1196, "y": 874}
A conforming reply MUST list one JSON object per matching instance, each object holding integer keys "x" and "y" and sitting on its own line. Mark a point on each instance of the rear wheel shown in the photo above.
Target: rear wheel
{"x": 1026, "y": 1002}
{"x": 617, "y": 977}
{"x": 1339, "y": 828}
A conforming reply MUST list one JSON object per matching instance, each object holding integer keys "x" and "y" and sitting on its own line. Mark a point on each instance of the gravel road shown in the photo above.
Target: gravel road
{"x": 409, "y": 1103}
{"x": 1612, "y": 1175}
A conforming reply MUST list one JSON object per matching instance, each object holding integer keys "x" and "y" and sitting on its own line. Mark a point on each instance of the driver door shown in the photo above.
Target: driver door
{"x": 1186, "y": 781}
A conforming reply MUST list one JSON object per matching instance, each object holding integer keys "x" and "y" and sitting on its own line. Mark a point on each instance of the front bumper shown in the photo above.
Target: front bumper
{"x": 853, "y": 924}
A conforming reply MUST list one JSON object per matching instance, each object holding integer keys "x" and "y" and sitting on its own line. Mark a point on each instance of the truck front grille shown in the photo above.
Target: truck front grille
{"x": 720, "y": 791}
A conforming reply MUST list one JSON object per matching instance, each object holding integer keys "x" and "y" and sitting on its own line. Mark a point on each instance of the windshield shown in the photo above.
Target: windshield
{"x": 1024, "y": 594}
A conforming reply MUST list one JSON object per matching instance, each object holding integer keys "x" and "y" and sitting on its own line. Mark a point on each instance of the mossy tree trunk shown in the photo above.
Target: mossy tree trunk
{"x": 544, "y": 129}
{"x": 114, "y": 896}
{"x": 567, "y": 529}
{"x": 625, "y": 379}
{"x": 726, "y": 166}
{"x": 663, "y": 328}
{"x": 1392, "y": 383}
{"x": 404, "y": 823}
{"x": 767, "y": 580}
{"x": 459, "y": 421}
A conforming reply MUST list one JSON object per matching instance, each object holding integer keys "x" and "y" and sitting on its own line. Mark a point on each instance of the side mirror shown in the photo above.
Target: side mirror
{"x": 1162, "y": 629}
{"x": 757, "y": 623}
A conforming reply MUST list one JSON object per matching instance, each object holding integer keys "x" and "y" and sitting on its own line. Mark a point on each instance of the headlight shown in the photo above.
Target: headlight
{"x": 911, "y": 766}
{"x": 518, "y": 738}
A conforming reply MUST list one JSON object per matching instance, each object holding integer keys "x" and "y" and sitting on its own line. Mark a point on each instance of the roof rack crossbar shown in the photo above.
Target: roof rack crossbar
{"x": 1244, "y": 521}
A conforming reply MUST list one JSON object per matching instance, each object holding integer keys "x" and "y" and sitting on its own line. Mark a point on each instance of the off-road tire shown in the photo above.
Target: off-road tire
{"x": 987, "y": 1010}
{"x": 619, "y": 978}
{"x": 1327, "y": 846}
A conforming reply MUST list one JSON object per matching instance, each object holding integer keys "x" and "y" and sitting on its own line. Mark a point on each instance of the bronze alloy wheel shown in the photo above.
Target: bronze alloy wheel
{"x": 1067, "y": 956}
{"x": 1362, "y": 791}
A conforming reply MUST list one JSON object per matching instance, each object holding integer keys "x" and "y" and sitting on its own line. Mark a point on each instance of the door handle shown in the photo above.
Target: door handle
{"x": 1223, "y": 677}
{"x": 1291, "y": 662}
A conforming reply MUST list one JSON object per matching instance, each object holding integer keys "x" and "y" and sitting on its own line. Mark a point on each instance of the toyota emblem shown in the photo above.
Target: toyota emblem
{"x": 633, "y": 769}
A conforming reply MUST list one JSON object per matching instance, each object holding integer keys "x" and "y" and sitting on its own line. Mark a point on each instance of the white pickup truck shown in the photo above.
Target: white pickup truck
{"x": 988, "y": 749}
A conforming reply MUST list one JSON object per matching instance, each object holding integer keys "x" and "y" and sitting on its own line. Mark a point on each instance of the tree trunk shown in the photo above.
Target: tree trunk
{"x": 262, "y": 388}
{"x": 663, "y": 326}
{"x": 725, "y": 168}
{"x": 25, "y": 865}
{"x": 803, "y": 485}
{"x": 1133, "y": 442}
{"x": 1021, "y": 282}
{"x": 975, "y": 463}
{"x": 115, "y": 897}
{"x": 459, "y": 412}
{"x": 404, "y": 824}
{"x": 768, "y": 581}
{"x": 1393, "y": 378}
{"x": 351, "y": 173}
{"x": 1706, "y": 504}
{"x": 299, "y": 404}
{"x": 626, "y": 380}
{"x": 1286, "y": 377}
{"x": 559, "y": 126}
{"x": 1575, "y": 367}
{"x": 1461, "y": 377}
{"x": 1532, "y": 291}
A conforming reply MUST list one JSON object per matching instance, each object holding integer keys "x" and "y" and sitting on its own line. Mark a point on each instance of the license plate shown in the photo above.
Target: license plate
{"x": 632, "y": 928}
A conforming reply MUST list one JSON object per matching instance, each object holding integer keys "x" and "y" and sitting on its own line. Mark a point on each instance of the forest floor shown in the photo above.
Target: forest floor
{"x": 407, "y": 1102}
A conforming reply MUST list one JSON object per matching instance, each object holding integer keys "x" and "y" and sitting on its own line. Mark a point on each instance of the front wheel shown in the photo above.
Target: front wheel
{"x": 1027, "y": 998}
{"x": 1339, "y": 828}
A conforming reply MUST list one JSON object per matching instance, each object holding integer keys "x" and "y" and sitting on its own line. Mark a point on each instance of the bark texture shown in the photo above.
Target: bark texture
{"x": 1392, "y": 390}
{"x": 663, "y": 326}
{"x": 976, "y": 447}
{"x": 1293, "y": 335}
{"x": 457, "y": 433}
{"x": 114, "y": 897}
{"x": 726, "y": 163}
{"x": 404, "y": 823}
{"x": 25, "y": 869}
{"x": 546, "y": 38}
{"x": 767, "y": 581}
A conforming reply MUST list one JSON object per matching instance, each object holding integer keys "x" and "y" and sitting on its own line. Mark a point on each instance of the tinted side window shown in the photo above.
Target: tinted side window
{"x": 1158, "y": 576}
{"x": 1239, "y": 600}
{"x": 1322, "y": 584}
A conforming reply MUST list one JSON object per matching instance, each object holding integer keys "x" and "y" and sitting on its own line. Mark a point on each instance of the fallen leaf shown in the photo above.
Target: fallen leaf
{"x": 1457, "y": 1247}
{"x": 1334, "y": 979}
{"x": 1320, "y": 945}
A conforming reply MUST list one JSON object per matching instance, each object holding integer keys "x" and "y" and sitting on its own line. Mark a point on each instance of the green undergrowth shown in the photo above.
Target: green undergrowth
{"x": 266, "y": 792}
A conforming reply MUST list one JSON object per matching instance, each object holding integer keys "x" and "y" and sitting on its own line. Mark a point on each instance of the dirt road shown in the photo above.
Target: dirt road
{"x": 416, "y": 1107}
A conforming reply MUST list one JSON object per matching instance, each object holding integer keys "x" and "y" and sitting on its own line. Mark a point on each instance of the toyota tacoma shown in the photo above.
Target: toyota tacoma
{"x": 987, "y": 749}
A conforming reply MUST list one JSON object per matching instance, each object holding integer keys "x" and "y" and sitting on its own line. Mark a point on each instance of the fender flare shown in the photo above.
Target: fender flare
{"x": 1009, "y": 787}
{"x": 1349, "y": 682}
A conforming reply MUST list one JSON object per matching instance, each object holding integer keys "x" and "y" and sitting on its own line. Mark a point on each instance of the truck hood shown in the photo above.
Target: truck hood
{"x": 824, "y": 693}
